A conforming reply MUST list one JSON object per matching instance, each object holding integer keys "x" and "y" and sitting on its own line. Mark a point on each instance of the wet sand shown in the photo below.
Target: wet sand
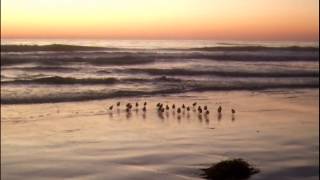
{"x": 277, "y": 131}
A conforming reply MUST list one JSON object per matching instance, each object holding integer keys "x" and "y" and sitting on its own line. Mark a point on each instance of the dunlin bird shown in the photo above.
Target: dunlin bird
{"x": 183, "y": 106}
{"x": 173, "y": 106}
{"x": 205, "y": 108}
{"x": 145, "y": 103}
{"x": 199, "y": 109}
{"x": 137, "y": 104}
{"x": 219, "y": 109}
{"x": 118, "y": 104}
{"x": 144, "y": 109}
{"x": 207, "y": 112}
{"x": 188, "y": 108}
{"x": 194, "y": 104}
{"x": 167, "y": 107}
{"x": 179, "y": 110}
{"x": 111, "y": 107}
{"x": 233, "y": 111}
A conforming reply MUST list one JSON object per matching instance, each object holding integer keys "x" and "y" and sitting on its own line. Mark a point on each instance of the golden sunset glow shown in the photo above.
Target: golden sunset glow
{"x": 161, "y": 19}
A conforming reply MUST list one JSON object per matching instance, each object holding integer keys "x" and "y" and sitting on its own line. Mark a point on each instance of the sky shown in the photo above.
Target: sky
{"x": 296, "y": 20}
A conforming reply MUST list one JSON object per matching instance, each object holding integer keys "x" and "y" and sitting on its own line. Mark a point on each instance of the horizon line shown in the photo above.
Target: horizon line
{"x": 157, "y": 39}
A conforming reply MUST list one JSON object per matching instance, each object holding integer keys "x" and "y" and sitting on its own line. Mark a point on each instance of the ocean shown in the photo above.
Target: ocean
{"x": 46, "y": 71}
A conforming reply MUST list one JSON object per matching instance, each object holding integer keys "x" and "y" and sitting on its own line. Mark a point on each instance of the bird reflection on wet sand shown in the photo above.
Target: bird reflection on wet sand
{"x": 167, "y": 114}
{"x": 144, "y": 116}
{"x": 188, "y": 116}
{"x": 128, "y": 115}
{"x": 160, "y": 115}
{"x": 219, "y": 116}
{"x": 179, "y": 118}
{"x": 200, "y": 118}
{"x": 206, "y": 118}
{"x": 110, "y": 114}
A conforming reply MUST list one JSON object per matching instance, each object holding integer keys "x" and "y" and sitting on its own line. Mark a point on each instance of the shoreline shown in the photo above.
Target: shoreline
{"x": 59, "y": 101}
{"x": 98, "y": 144}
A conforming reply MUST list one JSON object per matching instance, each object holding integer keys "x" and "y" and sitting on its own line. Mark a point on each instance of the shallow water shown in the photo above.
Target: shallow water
{"x": 277, "y": 131}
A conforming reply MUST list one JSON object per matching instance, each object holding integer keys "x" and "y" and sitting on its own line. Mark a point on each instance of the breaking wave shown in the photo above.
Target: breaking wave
{"x": 56, "y": 80}
{"x": 170, "y": 90}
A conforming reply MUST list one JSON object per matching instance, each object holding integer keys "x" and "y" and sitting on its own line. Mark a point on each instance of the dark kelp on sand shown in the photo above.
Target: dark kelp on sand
{"x": 235, "y": 169}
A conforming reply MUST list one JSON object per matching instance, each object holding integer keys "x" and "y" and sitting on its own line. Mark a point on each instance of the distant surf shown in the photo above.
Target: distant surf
{"x": 225, "y": 47}
{"x": 51, "y": 47}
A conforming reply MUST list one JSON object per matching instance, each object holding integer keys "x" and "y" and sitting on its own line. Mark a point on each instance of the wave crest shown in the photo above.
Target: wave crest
{"x": 51, "y": 47}
{"x": 224, "y": 47}
{"x": 221, "y": 73}
{"x": 85, "y": 96}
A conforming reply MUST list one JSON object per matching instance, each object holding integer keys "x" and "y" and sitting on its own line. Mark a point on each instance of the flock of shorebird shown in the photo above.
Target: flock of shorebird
{"x": 162, "y": 108}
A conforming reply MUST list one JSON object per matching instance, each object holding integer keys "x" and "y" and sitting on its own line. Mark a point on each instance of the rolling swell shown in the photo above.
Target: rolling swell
{"x": 143, "y": 58}
{"x": 31, "y": 76}
{"x": 221, "y": 73}
{"x": 62, "y": 80}
{"x": 256, "y": 48}
{"x": 125, "y": 58}
{"x": 56, "y": 80}
{"x": 54, "y": 61}
{"x": 11, "y": 54}
{"x": 51, "y": 47}
{"x": 85, "y": 96}
{"x": 229, "y": 47}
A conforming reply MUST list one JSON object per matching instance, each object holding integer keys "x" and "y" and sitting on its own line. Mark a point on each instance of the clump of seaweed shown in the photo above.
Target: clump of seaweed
{"x": 234, "y": 169}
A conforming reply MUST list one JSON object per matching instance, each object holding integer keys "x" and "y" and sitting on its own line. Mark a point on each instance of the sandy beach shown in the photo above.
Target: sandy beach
{"x": 277, "y": 131}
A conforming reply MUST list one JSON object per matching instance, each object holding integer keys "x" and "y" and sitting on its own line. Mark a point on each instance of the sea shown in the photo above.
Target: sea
{"x": 62, "y": 70}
